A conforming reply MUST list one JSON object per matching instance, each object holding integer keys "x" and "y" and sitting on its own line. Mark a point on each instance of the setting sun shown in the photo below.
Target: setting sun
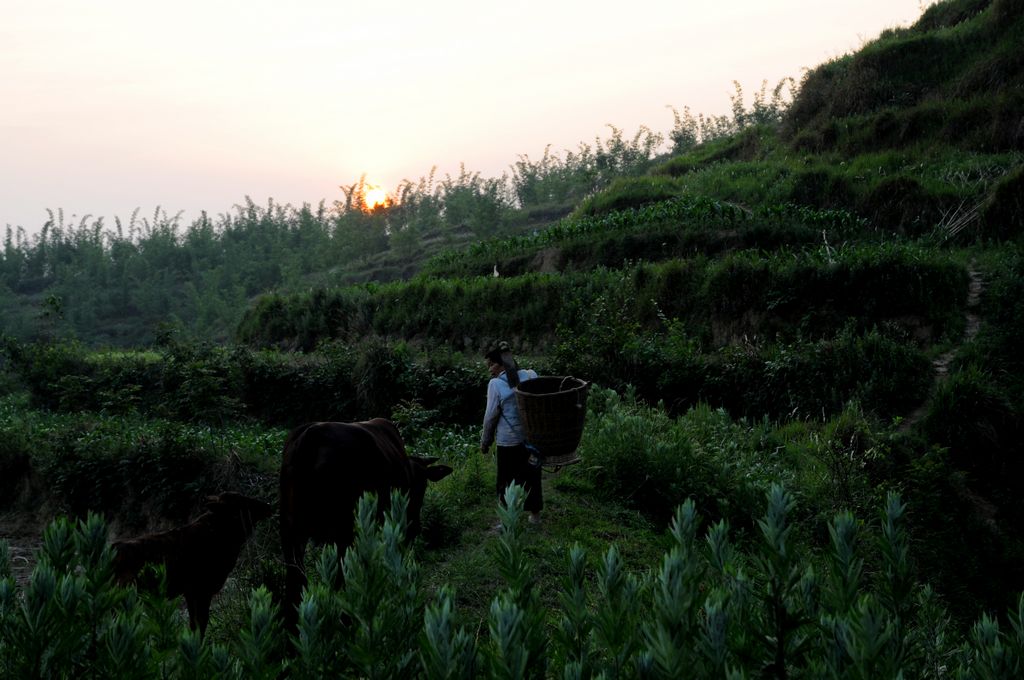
{"x": 374, "y": 196}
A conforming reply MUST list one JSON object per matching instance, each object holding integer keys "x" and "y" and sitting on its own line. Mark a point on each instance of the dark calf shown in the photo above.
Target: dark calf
{"x": 199, "y": 556}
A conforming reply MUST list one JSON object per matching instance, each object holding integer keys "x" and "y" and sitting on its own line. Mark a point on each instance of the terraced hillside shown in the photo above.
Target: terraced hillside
{"x": 821, "y": 309}
{"x": 849, "y": 255}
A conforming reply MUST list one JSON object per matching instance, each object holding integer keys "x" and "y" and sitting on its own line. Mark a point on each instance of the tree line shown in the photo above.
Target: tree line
{"x": 115, "y": 285}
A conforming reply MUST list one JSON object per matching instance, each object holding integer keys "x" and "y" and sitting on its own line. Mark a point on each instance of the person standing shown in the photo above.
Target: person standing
{"x": 503, "y": 427}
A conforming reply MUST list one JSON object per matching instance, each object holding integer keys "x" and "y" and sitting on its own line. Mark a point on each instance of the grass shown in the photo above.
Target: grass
{"x": 143, "y": 472}
{"x": 942, "y": 176}
{"x": 573, "y": 513}
{"x": 457, "y": 542}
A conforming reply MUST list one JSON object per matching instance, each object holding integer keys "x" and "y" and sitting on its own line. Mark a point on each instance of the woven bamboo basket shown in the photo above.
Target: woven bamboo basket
{"x": 552, "y": 409}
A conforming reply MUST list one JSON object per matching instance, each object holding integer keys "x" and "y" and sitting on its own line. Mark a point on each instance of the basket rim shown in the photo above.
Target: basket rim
{"x": 582, "y": 384}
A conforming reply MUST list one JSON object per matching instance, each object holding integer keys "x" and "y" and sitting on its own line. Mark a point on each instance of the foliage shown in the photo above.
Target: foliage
{"x": 469, "y": 261}
{"x": 777, "y": 300}
{"x": 210, "y": 385}
{"x": 117, "y": 285}
{"x": 843, "y": 324}
{"x": 974, "y": 419}
{"x": 640, "y": 455}
{"x": 815, "y": 290}
{"x": 950, "y": 77}
{"x": 996, "y": 347}
{"x": 558, "y": 179}
{"x": 1003, "y": 214}
{"x": 689, "y": 131}
{"x": 141, "y": 470}
{"x": 628, "y": 193}
{"x": 713, "y": 608}
{"x": 819, "y": 378}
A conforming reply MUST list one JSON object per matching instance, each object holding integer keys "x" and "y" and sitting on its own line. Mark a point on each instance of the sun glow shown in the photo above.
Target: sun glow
{"x": 374, "y": 196}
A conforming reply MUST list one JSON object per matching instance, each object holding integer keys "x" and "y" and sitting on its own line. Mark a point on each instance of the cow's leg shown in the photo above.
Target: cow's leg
{"x": 198, "y": 610}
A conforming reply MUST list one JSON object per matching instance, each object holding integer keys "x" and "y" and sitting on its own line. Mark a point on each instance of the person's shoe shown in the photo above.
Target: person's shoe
{"x": 534, "y": 518}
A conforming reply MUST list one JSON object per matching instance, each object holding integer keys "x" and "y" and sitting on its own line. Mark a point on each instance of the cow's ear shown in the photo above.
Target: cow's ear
{"x": 425, "y": 460}
{"x": 436, "y": 473}
{"x": 211, "y": 501}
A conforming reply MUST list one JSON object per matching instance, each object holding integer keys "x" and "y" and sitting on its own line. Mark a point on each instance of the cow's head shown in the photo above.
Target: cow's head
{"x": 233, "y": 507}
{"x": 422, "y": 471}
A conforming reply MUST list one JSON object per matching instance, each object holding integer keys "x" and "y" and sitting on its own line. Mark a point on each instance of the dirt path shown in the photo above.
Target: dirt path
{"x": 941, "y": 363}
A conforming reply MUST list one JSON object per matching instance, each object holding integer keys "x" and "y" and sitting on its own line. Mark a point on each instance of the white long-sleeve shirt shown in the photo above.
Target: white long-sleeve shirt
{"x": 501, "y": 418}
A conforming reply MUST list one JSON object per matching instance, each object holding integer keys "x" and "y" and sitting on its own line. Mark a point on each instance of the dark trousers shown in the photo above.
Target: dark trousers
{"x": 513, "y": 466}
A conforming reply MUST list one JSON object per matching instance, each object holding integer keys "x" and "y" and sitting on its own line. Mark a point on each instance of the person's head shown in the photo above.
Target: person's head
{"x": 499, "y": 358}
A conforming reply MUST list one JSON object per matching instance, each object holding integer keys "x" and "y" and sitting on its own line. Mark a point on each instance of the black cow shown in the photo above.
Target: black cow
{"x": 326, "y": 468}
{"x": 198, "y": 556}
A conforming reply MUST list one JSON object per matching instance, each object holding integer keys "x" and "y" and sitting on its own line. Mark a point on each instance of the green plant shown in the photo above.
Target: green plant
{"x": 711, "y": 608}
{"x": 970, "y": 414}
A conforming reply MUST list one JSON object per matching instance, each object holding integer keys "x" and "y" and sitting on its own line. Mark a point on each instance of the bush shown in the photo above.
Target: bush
{"x": 968, "y": 547}
{"x": 1003, "y": 212}
{"x": 710, "y": 609}
{"x": 948, "y": 14}
{"x": 971, "y": 416}
{"x": 997, "y": 344}
{"x": 15, "y": 461}
{"x": 820, "y": 188}
{"x": 287, "y": 390}
{"x": 44, "y": 369}
{"x": 628, "y": 193}
{"x": 135, "y": 470}
{"x": 901, "y": 205}
{"x": 643, "y": 457}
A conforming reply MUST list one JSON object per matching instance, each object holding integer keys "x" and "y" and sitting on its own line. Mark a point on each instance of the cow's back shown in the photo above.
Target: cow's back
{"x": 327, "y": 467}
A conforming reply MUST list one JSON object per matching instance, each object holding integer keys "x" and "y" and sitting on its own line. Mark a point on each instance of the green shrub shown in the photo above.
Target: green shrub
{"x": 132, "y": 469}
{"x": 43, "y": 368}
{"x": 971, "y": 415}
{"x": 821, "y": 188}
{"x": 479, "y": 258}
{"x": 710, "y": 607}
{"x": 289, "y": 389}
{"x": 998, "y": 339}
{"x": 628, "y": 193}
{"x": 199, "y": 385}
{"x": 644, "y": 326}
{"x": 820, "y": 289}
{"x": 1003, "y": 212}
{"x": 849, "y": 451}
{"x": 958, "y": 54}
{"x": 965, "y": 543}
{"x": 447, "y": 503}
{"x": 902, "y": 205}
{"x": 643, "y": 457}
{"x": 15, "y": 448}
{"x": 948, "y": 14}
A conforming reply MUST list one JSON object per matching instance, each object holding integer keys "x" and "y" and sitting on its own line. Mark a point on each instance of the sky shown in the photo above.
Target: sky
{"x": 111, "y": 105}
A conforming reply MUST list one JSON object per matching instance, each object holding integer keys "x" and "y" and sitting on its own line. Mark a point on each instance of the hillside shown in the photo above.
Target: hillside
{"x": 822, "y": 297}
{"x": 917, "y": 131}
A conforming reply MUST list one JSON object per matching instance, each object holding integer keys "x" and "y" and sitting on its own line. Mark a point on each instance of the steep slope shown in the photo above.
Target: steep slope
{"x": 953, "y": 79}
